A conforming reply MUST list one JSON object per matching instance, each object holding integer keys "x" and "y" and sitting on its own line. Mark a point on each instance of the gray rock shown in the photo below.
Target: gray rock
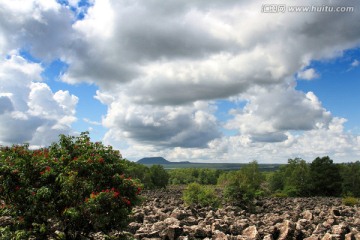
{"x": 286, "y": 230}
{"x": 179, "y": 214}
{"x": 251, "y": 233}
{"x": 218, "y": 235}
{"x": 329, "y": 236}
{"x": 173, "y": 232}
{"x": 307, "y": 215}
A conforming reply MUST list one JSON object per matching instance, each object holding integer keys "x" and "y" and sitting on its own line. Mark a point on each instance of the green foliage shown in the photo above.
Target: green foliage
{"x": 293, "y": 179}
{"x": 151, "y": 177}
{"x": 190, "y": 175}
{"x": 325, "y": 177}
{"x": 197, "y": 194}
{"x": 350, "y": 174}
{"x": 241, "y": 186}
{"x": 276, "y": 181}
{"x": 76, "y": 184}
{"x": 350, "y": 201}
{"x": 159, "y": 176}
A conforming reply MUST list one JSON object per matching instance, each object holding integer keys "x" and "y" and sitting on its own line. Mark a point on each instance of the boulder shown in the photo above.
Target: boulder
{"x": 329, "y": 236}
{"x": 173, "y": 232}
{"x": 307, "y": 215}
{"x": 286, "y": 230}
{"x": 218, "y": 235}
{"x": 251, "y": 233}
{"x": 179, "y": 214}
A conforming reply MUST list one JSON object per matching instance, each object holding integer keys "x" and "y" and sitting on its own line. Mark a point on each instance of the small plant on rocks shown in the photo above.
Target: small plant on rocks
{"x": 350, "y": 201}
{"x": 197, "y": 194}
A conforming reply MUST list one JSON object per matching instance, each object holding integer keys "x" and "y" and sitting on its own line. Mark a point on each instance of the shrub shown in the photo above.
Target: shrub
{"x": 350, "y": 201}
{"x": 279, "y": 195}
{"x": 244, "y": 185}
{"x": 196, "y": 194}
{"x": 74, "y": 186}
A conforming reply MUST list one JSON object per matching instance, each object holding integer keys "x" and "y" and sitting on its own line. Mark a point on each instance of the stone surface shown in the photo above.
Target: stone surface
{"x": 165, "y": 216}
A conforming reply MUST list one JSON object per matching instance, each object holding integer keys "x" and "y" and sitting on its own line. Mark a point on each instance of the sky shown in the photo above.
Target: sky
{"x": 199, "y": 80}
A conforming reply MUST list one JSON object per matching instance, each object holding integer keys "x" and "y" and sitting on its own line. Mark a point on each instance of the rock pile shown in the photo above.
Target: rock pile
{"x": 164, "y": 216}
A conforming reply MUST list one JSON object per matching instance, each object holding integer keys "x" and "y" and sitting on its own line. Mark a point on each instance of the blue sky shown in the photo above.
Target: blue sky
{"x": 189, "y": 81}
{"x": 338, "y": 87}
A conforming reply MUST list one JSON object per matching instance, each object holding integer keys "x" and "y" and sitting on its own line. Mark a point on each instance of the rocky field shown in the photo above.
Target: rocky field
{"x": 163, "y": 215}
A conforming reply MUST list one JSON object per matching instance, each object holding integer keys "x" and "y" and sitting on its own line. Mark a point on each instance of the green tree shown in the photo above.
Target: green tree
{"x": 159, "y": 176}
{"x": 350, "y": 173}
{"x": 277, "y": 181}
{"x": 297, "y": 178}
{"x": 140, "y": 172}
{"x": 78, "y": 184}
{"x": 325, "y": 177}
{"x": 242, "y": 187}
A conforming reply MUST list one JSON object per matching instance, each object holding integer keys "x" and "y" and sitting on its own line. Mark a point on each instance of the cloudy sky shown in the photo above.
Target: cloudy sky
{"x": 189, "y": 80}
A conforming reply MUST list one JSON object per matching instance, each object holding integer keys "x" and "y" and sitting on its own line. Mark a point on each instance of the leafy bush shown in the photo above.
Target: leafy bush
{"x": 244, "y": 185}
{"x": 74, "y": 186}
{"x": 350, "y": 201}
{"x": 196, "y": 194}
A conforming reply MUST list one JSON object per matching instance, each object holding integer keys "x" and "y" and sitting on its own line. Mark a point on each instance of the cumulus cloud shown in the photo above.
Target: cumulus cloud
{"x": 152, "y": 72}
{"x": 308, "y": 74}
{"x": 210, "y": 50}
{"x": 161, "y": 67}
{"x": 271, "y": 112}
{"x": 42, "y": 26}
{"x": 29, "y": 110}
{"x": 171, "y": 126}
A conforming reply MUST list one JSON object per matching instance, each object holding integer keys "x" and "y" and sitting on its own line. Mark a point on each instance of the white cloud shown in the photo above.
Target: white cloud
{"x": 30, "y": 111}
{"x": 41, "y": 26}
{"x": 161, "y": 67}
{"x": 308, "y": 74}
{"x": 170, "y": 126}
{"x": 271, "y": 112}
{"x": 355, "y": 63}
{"x": 151, "y": 72}
{"x": 91, "y": 122}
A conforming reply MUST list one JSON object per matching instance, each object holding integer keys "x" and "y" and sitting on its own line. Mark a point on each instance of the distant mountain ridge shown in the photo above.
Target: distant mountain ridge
{"x": 158, "y": 160}
{"x": 153, "y": 160}
{"x": 149, "y": 161}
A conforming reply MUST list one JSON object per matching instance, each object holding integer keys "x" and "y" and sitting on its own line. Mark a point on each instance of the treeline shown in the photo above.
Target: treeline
{"x": 297, "y": 178}
{"x": 198, "y": 175}
{"x": 319, "y": 178}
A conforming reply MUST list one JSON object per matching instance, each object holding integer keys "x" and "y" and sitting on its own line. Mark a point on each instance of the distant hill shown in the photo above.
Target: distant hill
{"x": 153, "y": 160}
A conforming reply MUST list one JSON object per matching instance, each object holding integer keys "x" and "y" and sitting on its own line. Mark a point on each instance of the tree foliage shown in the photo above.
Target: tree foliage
{"x": 78, "y": 185}
{"x": 190, "y": 175}
{"x": 350, "y": 174}
{"x": 197, "y": 194}
{"x": 159, "y": 176}
{"x": 151, "y": 177}
{"x": 243, "y": 185}
{"x": 293, "y": 179}
{"x": 325, "y": 177}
